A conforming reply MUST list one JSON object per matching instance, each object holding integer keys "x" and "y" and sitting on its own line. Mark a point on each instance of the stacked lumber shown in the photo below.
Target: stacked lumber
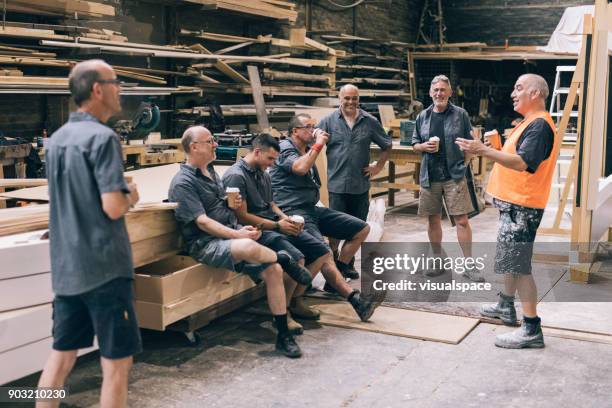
{"x": 309, "y": 65}
{"x": 61, "y": 7}
{"x": 379, "y": 68}
{"x": 275, "y": 9}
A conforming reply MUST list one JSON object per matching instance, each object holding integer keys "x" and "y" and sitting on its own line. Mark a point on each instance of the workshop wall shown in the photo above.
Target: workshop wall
{"x": 521, "y": 22}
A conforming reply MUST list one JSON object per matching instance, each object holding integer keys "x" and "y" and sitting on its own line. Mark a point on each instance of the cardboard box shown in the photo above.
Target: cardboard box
{"x": 177, "y": 287}
{"x": 23, "y": 326}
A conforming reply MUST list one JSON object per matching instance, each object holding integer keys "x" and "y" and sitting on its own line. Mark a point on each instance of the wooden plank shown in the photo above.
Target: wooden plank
{"x": 397, "y": 322}
{"x": 23, "y": 182}
{"x": 258, "y": 99}
{"x": 387, "y": 114}
{"x": 222, "y": 66}
{"x": 297, "y": 37}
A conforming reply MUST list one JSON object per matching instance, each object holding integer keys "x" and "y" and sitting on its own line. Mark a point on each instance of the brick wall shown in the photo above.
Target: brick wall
{"x": 522, "y": 22}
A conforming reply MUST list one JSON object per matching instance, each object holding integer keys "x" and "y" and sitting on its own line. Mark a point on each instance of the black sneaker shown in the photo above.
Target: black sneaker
{"x": 297, "y": 272}
{"x": 365, "y": 305}
{"x": 285, "y": 344}
{"x": 347, "y": 271}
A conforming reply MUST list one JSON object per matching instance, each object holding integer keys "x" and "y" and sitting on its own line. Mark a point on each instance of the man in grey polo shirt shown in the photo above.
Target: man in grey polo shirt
{"x": 295, "y": 188}
{"x": 443, "y": 169}
{"x": 213, "y": 236}
{"x": 351, "y": 132}
{"x": 91, "y": 258}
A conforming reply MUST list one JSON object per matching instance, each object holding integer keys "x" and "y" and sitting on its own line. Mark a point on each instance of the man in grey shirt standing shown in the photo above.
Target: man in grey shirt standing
{"x": 351, "y": 132}
{"x": 91, "y": 257}
{"x": 443, "y": 169}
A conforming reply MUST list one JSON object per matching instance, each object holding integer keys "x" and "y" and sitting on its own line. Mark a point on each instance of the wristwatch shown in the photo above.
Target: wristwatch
{"x": 276, "y": 226}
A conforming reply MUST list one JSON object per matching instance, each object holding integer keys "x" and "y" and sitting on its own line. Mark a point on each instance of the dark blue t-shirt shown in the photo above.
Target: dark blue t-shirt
{"x": 88, "y": 249}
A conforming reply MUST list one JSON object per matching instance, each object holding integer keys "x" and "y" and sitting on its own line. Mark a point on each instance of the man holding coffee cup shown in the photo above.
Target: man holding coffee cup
{"x": 520, "y": 184}
{"x": 213, "y": 236}
{"x": 295, "y": 185}
{"x": 250, "y": 179}
{"x": 443, "y": 169}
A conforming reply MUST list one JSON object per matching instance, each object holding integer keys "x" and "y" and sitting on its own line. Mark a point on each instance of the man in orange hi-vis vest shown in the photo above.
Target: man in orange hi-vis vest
{"x": 520, "y": 185}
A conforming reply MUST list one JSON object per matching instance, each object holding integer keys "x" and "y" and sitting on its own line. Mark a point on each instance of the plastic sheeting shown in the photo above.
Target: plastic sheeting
{"x": 567, "y": 37}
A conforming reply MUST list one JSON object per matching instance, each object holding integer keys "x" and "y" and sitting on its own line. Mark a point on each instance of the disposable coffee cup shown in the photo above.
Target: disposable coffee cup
{"x": 493, "y": 137}
{"x": 232, "y": 194}
{"x": 298, "y": 219}
{"x": 436, "y": 140}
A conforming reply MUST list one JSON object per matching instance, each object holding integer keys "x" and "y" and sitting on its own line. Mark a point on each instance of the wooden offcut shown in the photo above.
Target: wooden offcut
{"x": 396, "y": 322}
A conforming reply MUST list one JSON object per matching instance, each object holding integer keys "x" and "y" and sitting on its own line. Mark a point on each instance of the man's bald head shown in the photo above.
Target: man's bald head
{"x": 83, "y": 76}
{"x": 348, "y": 88}
{"x": 535, "y": 83}
{"x": 190, "y": 135}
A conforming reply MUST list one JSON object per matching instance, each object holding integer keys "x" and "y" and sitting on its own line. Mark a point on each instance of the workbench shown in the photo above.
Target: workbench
{"x": 404, "y": 155}
{"x": 13, "y": 156}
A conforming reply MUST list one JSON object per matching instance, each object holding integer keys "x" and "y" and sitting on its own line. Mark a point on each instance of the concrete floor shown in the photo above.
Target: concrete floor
{"x": 236, "y": 366}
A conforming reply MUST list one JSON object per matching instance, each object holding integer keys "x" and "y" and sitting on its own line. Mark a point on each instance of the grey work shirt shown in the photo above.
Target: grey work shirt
{"x": 88, "y": 249}
{"x": 456, "y": 124}
{"x": 255, "y": 187}
{"x": 196, "y": 195}
{"x": 348, "y": 150}
{"x": 291, "y": 191}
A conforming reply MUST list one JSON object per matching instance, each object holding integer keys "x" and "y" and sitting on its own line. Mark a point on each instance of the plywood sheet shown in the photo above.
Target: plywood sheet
{"x": 152, "y": 182}
{"x": 25, "y": 291}
{"x": 397, "y": 322}
{"x": 23, "y": 326}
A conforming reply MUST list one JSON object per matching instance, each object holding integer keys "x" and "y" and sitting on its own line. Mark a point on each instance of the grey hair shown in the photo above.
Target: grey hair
{"x": 537, "y": 83}
{"x": 82, "y": 78}
{"x": 188, "y": 135}
{"x": 296, "y": 121}
{"x": 439, "y": 78}
{"x": 347, "y": 87}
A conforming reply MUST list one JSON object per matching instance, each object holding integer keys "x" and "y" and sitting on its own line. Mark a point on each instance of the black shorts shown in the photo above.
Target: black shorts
{"x": 322, "y": 221}
{"x": 309, "y": 245}
{"x": 106, "y": 311}
{"x": 356, "y": 205}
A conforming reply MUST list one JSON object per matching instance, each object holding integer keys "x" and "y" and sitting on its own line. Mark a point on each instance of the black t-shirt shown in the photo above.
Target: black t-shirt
{"x": 535, "y": 144}
{"x": 438, "y": 170}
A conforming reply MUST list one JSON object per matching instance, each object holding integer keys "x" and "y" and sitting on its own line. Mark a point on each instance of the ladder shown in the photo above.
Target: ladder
{"x": 556, "y": 107}
{"x": 565, "y": 180}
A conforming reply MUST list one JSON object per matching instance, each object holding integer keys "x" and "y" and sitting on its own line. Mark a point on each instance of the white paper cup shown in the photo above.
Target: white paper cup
{"x": 436, "y": 140}
{"x": 298, "y": 219}
{"x": 232, "y": 194}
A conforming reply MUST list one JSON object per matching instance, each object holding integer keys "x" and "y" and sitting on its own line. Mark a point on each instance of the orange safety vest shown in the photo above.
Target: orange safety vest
{"x": 521, "y": 187}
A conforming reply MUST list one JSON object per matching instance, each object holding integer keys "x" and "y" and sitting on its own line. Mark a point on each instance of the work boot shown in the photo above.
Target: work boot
{"x": 329, "y": 288}
{"x": 504, "y": 310}
{"x": 346, "y": 270}
{"x": 527, "y": 336}
{"x": 301, "y": 310}
{"x": 294, "y": 327}
{"x": 474, "y": 274}
{"x": 297, "y": 272}
{"x": 365, "y": 305}
{"x": 285, "y": 344}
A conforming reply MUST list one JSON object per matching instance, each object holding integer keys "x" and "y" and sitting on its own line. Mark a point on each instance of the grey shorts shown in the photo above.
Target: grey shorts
{"x": 455, "y": 194}
{"x": 518, "y": 226}
{"x": 218, "y": 254}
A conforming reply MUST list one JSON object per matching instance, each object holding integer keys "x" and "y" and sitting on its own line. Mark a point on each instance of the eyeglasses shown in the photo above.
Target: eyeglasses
{"x": 305, "y": 127}
{"x": 209, "y": 141}
{"x": 110, "y": 81}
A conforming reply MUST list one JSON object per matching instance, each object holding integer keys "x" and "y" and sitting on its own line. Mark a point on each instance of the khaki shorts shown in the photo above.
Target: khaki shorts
{"x": 456, "y": 196}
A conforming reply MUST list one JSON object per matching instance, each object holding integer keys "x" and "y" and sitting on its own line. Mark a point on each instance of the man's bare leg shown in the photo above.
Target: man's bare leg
{"x": 58, "y": 366}
{"x": 115, "y": 382}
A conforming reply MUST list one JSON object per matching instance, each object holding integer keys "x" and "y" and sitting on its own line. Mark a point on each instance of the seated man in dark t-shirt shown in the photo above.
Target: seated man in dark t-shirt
{"x": 213, "y": 236}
